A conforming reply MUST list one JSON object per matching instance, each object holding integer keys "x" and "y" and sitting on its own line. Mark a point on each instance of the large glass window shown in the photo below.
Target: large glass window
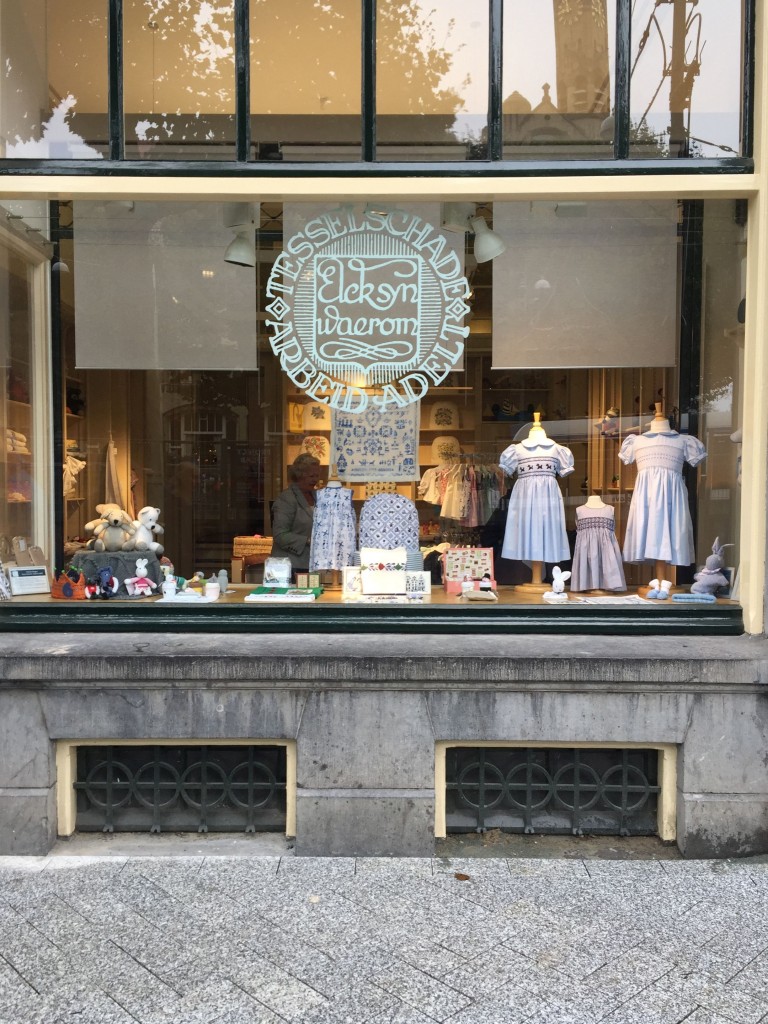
{"x": 431, "y": 80}
{"x": 179, "y": 79}
{"x": 590, "y": 423}
{"x": 686, "y": 78}
{"x": 53, "y": 103}
{"x": 559, "y": 76}
{"x": 305, "y": 80}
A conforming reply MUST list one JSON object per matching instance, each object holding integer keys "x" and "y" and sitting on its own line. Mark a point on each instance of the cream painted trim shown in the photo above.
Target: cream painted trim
{"x": 66, "y": 771}
{"x": 666, "y": 812}
{"x": 274, "y": 189}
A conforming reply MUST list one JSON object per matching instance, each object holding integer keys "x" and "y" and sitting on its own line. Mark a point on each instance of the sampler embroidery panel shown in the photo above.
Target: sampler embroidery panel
{"x": 372, "y": 445}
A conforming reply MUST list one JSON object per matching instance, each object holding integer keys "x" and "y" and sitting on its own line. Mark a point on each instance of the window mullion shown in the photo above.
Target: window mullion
{"x": 622, "y": 78}
{"x": 368, "y": 112}
{"x": 748, "y": 83}
{"x": 115, "y": 78}
{"x": 495, "y": 71}
{"x": 242, "y": 80}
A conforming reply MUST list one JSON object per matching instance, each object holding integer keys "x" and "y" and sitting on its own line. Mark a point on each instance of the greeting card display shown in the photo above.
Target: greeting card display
{"x": 462, "y": 565}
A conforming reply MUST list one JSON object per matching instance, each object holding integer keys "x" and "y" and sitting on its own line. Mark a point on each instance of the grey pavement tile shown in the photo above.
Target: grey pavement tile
{"x": 10, "y": 867}
{"x": 354, "y": 1001}
{"x": 316, "y": 868}
{"x": 86, "y": 1008}
{"x": 489, "y": 1013}
{"x": 536, "y": 867}
{"x": 277, "y": 989}
{"x": 476, "y": 867}
{"x": 702, "y": 1016}
{"x": 235, "y": 875}
{"x": 428, "y": 957}
{"x": 753, "y": 978}
{"x": 401, "y": 1014}
{"x": 421, "y": 991}
{"x": 652, "y": 1006}
{"x": 727, "y": 1000}
{"x": 629, "y": 973}
{"x": 393, "y": 867}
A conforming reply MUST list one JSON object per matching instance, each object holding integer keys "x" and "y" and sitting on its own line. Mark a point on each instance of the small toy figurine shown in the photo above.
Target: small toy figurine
{"x": 485, "y": 582}
{"x": 140, "y": 585}
{"x": 557, "y": 593}
{"x": 104, "y": 585}
{"x": 609, "y": 424}
{"x": 710, "y": 579}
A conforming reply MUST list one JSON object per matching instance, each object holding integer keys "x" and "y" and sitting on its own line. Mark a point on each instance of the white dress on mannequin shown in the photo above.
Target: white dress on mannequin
{"x": 535, "y": 529}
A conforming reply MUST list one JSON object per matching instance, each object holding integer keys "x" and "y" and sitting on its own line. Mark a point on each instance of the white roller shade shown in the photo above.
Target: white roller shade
{"x": 585, "y": 285}
{"x": 152, "y": 290}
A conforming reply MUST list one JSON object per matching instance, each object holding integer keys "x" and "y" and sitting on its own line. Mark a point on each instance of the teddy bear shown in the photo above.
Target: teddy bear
{"x": 146, "y": 529}
{"x": 114, "y": 531}
{"x": 91, "y": 526}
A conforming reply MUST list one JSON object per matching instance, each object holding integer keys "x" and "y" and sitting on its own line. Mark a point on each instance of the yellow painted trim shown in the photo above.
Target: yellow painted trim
{"x": 755, "y": 416}
{"x": 277, "y": 189}
{"x": 666, "y": 811}
{"x": 66, "y": 771}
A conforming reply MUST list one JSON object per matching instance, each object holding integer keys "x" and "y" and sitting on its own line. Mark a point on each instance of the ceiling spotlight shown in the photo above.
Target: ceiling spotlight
{"x": 488, "y": 244}
{"x": 242, "y": 249}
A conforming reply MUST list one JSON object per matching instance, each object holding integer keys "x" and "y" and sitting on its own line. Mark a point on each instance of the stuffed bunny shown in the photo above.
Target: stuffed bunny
{"x": 558, "y": 580}
{"x": 710, "y": 579}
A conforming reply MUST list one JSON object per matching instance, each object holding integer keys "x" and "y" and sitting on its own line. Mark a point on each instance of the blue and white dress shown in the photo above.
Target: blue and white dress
{"x": 334, "y": 529}
{"x": 535, "y": 530}
{"x": 659, "y": 525}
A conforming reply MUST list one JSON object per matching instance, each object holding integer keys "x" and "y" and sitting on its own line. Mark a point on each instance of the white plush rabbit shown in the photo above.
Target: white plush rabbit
{"x": 558, "y": 580}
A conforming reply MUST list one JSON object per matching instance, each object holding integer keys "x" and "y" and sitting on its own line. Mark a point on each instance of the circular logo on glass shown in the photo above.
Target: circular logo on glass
{"x": 367, "y": 309}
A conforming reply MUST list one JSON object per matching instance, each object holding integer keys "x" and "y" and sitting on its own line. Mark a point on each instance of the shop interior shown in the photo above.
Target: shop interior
{"x": 212, "y": 447}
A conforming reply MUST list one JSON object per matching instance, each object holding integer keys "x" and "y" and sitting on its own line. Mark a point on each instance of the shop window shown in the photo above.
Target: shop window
{"x": 54, "y": 96}
{"x": 179, "y": 80}
{"x": 559, "y": 79}
{"x": 305, "y": 81}
{"x": 490, "y": 435}
{"x": 432, "y": 81}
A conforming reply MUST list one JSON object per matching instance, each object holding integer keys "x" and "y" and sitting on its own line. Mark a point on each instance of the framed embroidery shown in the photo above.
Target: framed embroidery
{"x": 370, "y": 446}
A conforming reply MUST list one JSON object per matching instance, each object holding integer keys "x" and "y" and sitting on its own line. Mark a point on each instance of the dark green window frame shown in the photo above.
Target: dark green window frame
{"x": 493, "y": 166}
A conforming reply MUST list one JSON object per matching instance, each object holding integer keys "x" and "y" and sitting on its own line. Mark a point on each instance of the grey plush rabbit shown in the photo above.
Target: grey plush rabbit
{"x": 711, "y": 578}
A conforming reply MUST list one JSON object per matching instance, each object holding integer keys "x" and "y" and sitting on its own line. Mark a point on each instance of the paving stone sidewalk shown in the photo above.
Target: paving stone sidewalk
{"x": 262, "y": 940}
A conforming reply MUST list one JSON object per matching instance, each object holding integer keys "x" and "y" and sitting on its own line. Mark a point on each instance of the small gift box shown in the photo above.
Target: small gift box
{"x": 382, "y": 570}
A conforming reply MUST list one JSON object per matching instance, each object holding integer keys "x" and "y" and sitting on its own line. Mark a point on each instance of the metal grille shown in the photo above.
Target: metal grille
{"x": 558, "y": 791}
{"x": 180, "y": 789}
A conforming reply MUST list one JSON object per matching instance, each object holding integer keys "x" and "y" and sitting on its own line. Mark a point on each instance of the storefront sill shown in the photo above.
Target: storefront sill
{"x": 712, "y": 620}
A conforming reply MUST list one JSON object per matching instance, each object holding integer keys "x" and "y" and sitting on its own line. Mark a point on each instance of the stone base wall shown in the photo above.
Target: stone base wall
{"x": 366, "y": 713}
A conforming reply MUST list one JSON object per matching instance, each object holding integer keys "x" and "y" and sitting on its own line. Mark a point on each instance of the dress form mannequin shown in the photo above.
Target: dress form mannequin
{"x": 332, "y": 577}
{"x": 659, "y": 528}
{"x": 594, "y": 501}
{"x": 535, "y": 531}
{"x": 597, "y": 566}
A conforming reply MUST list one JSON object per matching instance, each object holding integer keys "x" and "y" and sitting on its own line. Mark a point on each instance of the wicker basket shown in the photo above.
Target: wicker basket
{"x": 251, "y": 546}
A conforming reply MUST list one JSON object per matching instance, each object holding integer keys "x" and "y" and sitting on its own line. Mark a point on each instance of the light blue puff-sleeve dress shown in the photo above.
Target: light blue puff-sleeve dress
{"x": 659, "y": 525}
{"x": 535, "y": 529}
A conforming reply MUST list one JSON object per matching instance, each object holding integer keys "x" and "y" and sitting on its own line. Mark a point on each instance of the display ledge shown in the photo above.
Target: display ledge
{"x": 514, "y": 613}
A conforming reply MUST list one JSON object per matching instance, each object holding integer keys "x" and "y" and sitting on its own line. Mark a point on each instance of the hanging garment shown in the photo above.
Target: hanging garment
{"x": 334, "y": 529}
{"x": 389, "y": 521}
{"x": 535, "y": 529}
{"x": 659, "y": 525}
{"x": 596, "y": 558}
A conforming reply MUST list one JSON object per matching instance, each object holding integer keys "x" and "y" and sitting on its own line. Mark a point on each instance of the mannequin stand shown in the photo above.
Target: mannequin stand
{"x": 536, "y": 586}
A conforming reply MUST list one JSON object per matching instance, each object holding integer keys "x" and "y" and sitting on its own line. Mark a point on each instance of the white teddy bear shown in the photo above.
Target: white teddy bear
{"x": 114, "y": 531}
{"x": 147, "y": 528}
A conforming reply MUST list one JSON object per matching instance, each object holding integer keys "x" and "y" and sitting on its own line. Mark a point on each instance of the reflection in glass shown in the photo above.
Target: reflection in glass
{"x": 558, "y": 78}
{"x": 305, "y": 80}
{"x": 21, "y": 503}
{"x": 53, "y": 100}
{"x": 686, "y": 78}
{"x": 179, "y": 79}
{"x": 431, "y": 80}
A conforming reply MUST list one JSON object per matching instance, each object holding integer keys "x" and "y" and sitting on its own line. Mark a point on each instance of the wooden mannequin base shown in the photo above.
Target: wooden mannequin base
{"x": 532, "y": 588}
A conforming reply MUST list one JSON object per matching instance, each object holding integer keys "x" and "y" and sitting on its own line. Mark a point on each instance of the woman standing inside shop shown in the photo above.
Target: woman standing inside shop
{"x": 292, "y": 513}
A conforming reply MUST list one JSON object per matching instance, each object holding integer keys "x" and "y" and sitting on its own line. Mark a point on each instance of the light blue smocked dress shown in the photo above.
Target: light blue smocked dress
{"x": 334, "y": 529}
{"x": 535, "y": 530}
{"x": 659, "y": 525}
